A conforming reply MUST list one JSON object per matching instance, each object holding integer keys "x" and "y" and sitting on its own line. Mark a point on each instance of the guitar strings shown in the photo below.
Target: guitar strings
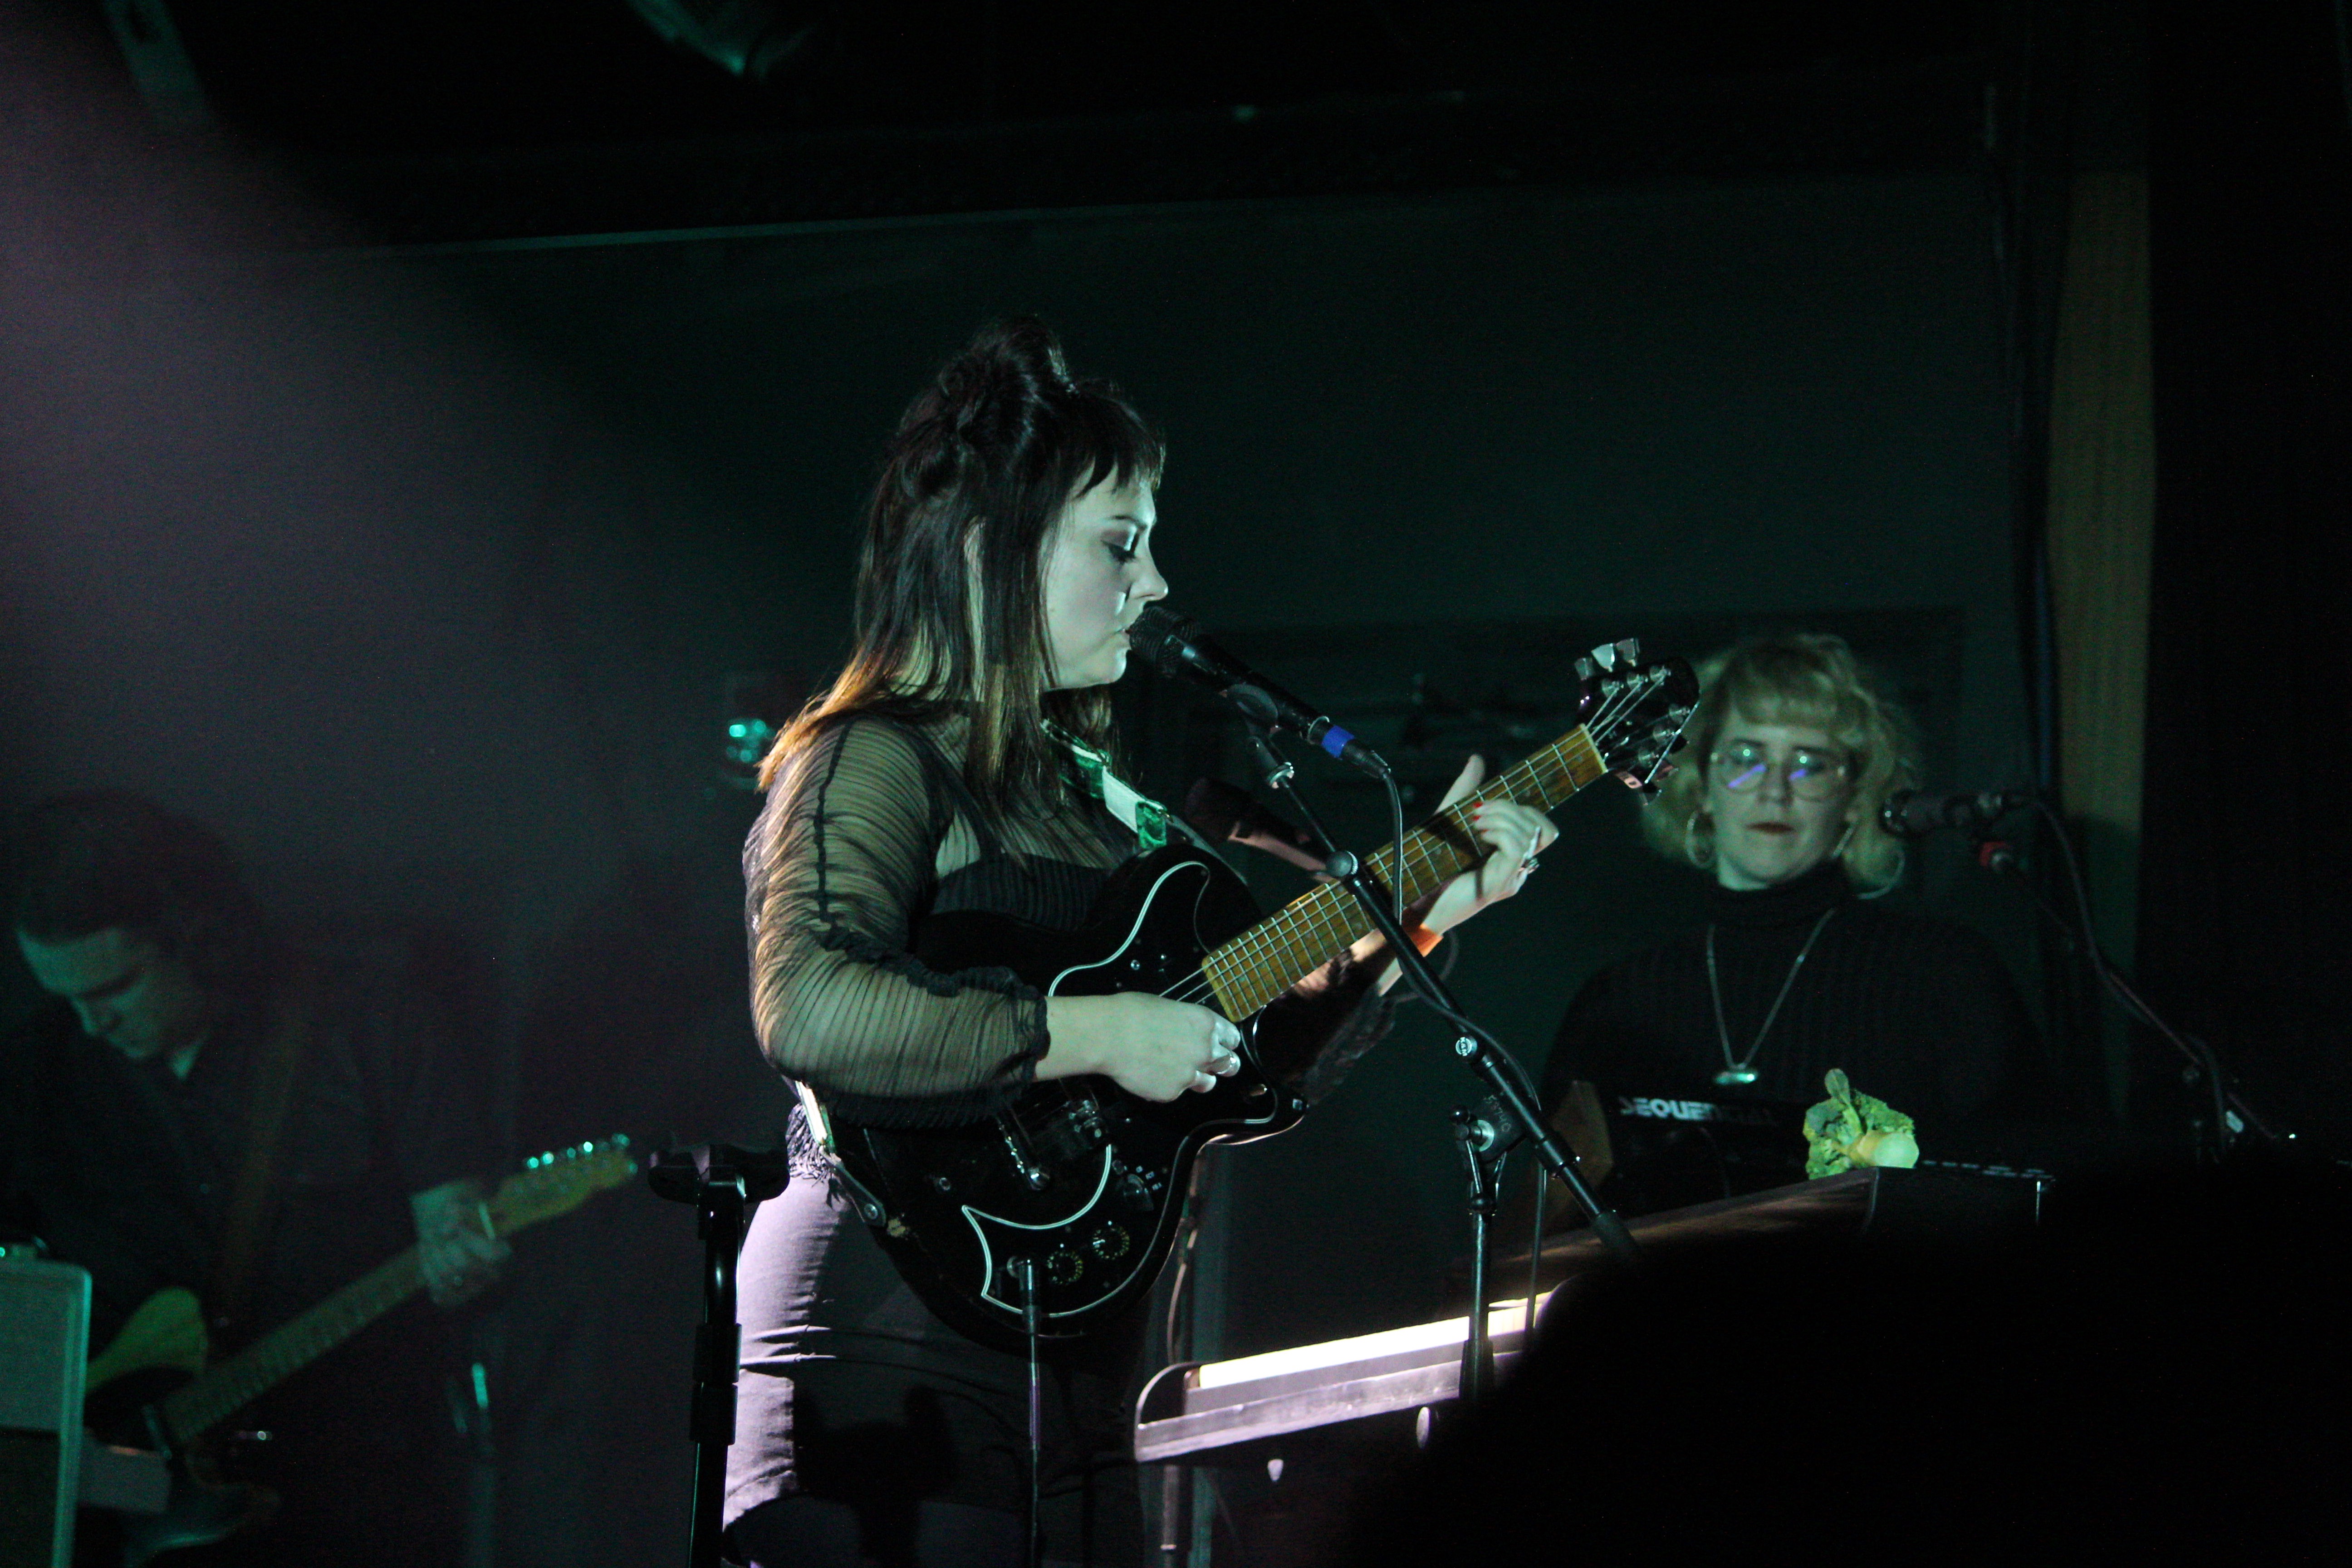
{"x": 1311, "y": 924}
{"x": 1546, "y": 770}
{"x": 1292, "y": 934}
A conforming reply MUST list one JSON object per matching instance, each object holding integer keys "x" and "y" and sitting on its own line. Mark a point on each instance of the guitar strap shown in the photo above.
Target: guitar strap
{"x": 253, "y": 1199}
{"x": 1146, "y": 817}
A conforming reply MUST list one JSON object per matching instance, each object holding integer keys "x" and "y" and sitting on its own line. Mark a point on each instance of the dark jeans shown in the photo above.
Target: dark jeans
{"x": 862, "y": 1419}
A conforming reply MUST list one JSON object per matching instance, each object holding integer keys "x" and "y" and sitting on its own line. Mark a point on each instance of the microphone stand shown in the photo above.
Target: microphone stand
{"x": 1486, "y": 1136}
{"x": 2232, "y": 1116}
{"x": 723, "y": 1183}
{"x": 1472, "y": 1043}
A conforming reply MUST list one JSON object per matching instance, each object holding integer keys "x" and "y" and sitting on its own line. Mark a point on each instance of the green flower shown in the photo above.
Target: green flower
{"x": 1849, "y": 1129}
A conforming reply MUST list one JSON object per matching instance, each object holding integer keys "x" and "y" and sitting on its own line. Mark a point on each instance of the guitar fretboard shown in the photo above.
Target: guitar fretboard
{"x": 191, "y": 1411}
{"x": 553, "y": 1185}
{"x": 1278, "y": 952}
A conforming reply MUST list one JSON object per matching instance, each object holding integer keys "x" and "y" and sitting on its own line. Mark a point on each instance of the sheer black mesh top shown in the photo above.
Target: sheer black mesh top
{"x": 870, "y": 831}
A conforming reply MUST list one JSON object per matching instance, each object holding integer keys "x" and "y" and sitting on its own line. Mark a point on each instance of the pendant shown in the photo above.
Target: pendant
{"x": 1734, "y": 1077}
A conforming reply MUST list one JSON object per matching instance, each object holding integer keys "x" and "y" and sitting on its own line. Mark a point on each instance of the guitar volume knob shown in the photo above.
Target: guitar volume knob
{"x": 1109, "y": 1242}
{"x": 1064, "y": 1266}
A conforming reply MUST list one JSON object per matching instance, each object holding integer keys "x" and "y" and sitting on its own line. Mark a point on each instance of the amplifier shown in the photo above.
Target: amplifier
{"x": 43, "y": 1347}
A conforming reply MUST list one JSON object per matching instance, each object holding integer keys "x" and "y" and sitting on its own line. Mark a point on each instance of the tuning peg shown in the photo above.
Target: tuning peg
{"x": 1630, "y": 650}
{"x": 1605, "y": 656}
{"x": 1585, "y": 669}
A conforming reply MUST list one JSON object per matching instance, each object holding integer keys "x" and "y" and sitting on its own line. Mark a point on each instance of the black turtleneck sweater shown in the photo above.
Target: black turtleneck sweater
{"x": 1920, "y": 1012}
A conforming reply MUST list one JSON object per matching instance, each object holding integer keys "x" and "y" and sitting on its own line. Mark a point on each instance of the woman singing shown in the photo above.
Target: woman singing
{"x": 1008, "y": 549}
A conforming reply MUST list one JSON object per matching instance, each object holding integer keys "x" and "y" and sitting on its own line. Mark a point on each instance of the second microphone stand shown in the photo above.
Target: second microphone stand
{"x": 1475, "y": 1046}
{"x": 2234, "y": 1117}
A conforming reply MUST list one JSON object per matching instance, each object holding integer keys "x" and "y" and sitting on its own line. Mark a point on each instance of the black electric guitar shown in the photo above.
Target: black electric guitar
{"x": 166, "y": 1336}
{"x": 1078, "y": 1186}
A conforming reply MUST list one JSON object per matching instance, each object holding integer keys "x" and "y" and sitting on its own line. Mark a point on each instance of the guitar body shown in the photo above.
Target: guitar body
{"x": 1079, "y": 1177}
{"x": 205, "y": 1505}
{"x": 1081, "y": 1184}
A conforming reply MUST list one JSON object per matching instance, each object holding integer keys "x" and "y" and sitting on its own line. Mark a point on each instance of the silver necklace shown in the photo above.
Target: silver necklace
{"x": 1736, "y": 1074}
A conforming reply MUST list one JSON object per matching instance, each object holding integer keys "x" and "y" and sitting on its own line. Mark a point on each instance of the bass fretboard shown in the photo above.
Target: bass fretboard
{"x": 552, "y": 1185}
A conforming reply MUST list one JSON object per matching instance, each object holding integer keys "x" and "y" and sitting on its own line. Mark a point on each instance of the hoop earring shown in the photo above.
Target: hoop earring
{"x": 1699, "y": 851}
{"x": 1902, "y": 864}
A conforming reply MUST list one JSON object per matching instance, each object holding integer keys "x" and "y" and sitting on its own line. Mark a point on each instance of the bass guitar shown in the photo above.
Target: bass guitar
{"x": 1066, "y": 1203}
{"x": 166, "y": 1335}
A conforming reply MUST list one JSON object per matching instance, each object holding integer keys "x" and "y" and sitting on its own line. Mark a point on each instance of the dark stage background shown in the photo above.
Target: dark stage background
{"x": 423, "y": 578}
{"x": 427, "y": 573}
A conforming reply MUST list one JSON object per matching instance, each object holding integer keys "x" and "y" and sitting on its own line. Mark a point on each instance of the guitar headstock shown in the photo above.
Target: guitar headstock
{"x": 560, "y": 1180}
{"x": 1635, "y": 711}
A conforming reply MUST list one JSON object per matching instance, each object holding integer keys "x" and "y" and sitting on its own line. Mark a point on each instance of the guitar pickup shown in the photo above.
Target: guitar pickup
{"x": 1071, "y": 1132}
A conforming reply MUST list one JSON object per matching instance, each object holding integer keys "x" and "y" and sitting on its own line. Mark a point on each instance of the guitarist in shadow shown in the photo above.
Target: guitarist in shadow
{"x": 224, "y": 1132}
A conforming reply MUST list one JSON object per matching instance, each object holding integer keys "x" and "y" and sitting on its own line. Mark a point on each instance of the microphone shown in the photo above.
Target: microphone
{"x": 1910, "y": 815}
{"x": 1172, "y": 645}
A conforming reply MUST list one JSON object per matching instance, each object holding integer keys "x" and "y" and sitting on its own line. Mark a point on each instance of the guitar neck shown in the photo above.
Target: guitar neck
{"x": 1278, "y": 952}
{"x": 190, "y": 1411}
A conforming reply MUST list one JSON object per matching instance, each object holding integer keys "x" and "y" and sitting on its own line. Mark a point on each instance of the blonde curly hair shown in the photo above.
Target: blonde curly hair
{"x": 1799, "y": 678}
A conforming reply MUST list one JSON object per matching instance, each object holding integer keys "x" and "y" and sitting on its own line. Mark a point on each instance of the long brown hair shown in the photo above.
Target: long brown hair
{"x": 971, "y": 488}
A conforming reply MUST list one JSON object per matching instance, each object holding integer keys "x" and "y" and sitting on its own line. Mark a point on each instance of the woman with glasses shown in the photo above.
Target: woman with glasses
{"x": 1793, "y": 749}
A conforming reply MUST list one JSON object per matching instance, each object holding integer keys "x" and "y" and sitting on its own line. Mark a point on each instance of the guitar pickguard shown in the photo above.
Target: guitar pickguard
{"x": 1002, "y": 1239}
{"x": 1081, "y": 1178}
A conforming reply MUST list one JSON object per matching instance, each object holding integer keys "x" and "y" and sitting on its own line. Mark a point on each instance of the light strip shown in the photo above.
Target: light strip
{"x": 1502, "y": 1317}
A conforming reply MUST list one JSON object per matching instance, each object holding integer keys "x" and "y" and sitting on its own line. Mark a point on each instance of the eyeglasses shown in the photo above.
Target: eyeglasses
{"x": 1811, "y": 775}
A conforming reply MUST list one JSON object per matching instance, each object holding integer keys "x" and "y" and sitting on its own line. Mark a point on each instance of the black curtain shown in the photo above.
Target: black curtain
{"x": 2248, "y": 827}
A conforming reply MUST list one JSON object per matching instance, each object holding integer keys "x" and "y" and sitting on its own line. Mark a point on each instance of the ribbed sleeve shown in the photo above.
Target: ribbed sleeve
{"x": 868, "y": 834}
{"x": 838, "y": 868}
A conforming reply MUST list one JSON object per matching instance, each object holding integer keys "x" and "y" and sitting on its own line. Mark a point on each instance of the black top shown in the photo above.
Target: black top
{"x": 1920, "y": 1012}
{"x": 852, "y": 1392}
{"x": 126, "y": 1168}
{"x": 870, "y": 833}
